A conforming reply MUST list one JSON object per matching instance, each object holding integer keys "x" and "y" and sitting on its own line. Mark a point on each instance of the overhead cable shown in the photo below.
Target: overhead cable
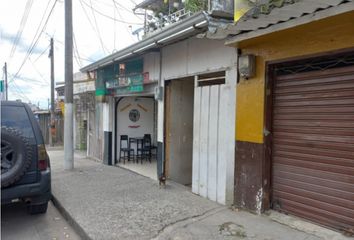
{"x": 35, "y": 40}
{"x": 126, "y": 28}
{"x": 41, "y": 54}
{"x": 107, "y": 16}
{"x": 21, "y": 27}
{"x": 76, "y": 51}
{"x": 98, "y": 31}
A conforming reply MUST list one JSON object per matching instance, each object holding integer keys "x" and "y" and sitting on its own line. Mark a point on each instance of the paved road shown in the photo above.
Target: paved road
{"x": 16, "y": 224}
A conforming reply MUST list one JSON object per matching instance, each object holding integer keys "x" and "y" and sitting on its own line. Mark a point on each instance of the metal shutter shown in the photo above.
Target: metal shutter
{"x": 313, "y": 146}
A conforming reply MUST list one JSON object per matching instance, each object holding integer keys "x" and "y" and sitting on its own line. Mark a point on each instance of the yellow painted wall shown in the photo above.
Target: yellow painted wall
{"x": 317, "y": 37}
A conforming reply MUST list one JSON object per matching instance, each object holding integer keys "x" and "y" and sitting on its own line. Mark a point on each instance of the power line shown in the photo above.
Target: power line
{"x": 126, "y": 28}
{"x": 91, "y": 24}
{"x": 46, "y": 82}
{"x": 35, "y": 41}
{"x": 133, "y": 2}
{"x": 122, "y": 7}
{"x": 95, "y": 25}
{"x": 98, "y": 31}
{"x": 76, "y": 51}
{"x": 107, "y": 16}
{"x": 114, "y": 28}
{"x": 40, "y": 55}
{"x": 20, "y": 78}
{"x": 16, "y": 93}
{"x": 19, "y": 91}
{"x": 126, "y": 9}
{"x": 85, "y": 58}
{"x": 21, "y": 27}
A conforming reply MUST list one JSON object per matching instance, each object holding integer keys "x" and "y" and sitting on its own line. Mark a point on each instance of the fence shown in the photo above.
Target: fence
{"x": 44, "y": 123}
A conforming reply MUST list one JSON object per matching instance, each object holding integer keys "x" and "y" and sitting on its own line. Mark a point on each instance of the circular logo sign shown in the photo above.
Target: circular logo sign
{"x": 134, "y": 115}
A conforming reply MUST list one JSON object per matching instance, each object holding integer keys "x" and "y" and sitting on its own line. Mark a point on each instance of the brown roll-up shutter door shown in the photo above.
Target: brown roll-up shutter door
{"x": 313, "y": 146}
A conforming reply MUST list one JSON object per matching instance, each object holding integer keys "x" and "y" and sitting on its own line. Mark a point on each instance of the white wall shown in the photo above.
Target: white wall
{"x": 188, "y": 58}
{"x": 194, "y": 56}
{"x": 152, "y": 66}
{"x": 95, "y": 132}
{"x": 105, "y": 117}
{"x": 214, "y": 140}
{"x": 160, "y": 117}
{"x": 214, "y": 113}
{"x": 145, "y": 123}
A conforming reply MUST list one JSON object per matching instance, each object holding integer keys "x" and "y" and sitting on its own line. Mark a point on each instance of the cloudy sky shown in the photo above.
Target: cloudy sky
{"x": 101, "y": 27}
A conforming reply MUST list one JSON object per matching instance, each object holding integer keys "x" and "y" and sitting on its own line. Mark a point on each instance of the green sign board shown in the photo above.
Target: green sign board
{"x": 120, "y": 78}
{"x": 2, "y": 86}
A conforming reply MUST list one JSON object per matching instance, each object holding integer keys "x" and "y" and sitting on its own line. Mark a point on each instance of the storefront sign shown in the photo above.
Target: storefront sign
{"x": 84, "y": 87}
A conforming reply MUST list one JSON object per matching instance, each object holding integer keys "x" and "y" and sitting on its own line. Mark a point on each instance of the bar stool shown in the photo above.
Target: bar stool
{"x": 147, "y": 147}
{"x": 124, "y": 148}
{"x": 131, "y": 142}
{"x": 139, "y": 149}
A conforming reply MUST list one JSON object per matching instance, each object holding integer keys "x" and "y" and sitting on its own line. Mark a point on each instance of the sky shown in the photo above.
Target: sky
{"x": 101, "y": 27}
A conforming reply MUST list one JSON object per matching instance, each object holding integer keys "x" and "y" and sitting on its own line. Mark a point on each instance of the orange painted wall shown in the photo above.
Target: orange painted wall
{"x": 321, "y": 36}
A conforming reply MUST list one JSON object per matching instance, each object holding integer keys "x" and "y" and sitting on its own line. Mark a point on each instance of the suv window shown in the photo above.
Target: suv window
{"x": 17, "y": 117}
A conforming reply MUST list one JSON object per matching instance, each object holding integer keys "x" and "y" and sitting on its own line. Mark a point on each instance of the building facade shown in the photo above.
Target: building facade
{"x": 294, "y": 124}
{"x": 178, "y": 85}
{"x": 265, "y": 122}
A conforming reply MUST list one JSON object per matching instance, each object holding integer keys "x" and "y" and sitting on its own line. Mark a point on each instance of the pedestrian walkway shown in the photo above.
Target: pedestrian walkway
{"x": 107, "y": 202}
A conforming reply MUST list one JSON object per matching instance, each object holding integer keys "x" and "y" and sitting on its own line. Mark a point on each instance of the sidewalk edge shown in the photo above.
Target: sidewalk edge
{"x": 79, "y": 230}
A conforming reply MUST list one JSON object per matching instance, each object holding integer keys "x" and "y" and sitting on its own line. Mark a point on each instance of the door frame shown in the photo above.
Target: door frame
{"x": 168, "y": 122}
{"x": 167, "y": 100}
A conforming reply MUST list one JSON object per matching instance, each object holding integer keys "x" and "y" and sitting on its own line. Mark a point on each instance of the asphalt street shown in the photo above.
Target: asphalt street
{"x": 17, "y": 224}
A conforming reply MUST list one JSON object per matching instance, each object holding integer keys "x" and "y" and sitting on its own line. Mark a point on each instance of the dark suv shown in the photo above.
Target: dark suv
{"x": 25, "y": 167}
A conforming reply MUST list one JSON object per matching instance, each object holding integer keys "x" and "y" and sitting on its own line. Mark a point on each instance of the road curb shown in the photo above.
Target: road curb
{"x": 79, "y": 230}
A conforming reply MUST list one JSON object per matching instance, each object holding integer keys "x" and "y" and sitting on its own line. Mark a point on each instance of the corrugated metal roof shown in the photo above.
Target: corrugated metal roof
{"x": 275, "y": 12}
{"x": 256, "y": 19}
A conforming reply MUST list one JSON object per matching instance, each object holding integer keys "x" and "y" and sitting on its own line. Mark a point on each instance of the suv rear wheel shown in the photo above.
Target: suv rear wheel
{"x": 16, "y": 154}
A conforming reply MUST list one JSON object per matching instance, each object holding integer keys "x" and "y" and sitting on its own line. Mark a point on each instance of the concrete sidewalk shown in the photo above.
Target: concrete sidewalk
{"x": 106, "y": 202}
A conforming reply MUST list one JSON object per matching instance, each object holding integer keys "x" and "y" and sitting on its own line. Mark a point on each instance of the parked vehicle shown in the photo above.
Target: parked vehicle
{"x": 25, "y": 166}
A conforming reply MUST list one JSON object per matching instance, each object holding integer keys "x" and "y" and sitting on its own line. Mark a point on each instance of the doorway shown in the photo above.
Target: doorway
{"x": 136, "y": 117}
{"x": 179, "y": 130}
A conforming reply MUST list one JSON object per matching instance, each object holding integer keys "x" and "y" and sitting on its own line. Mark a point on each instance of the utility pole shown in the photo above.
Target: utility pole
{"x": 52, "y": 122}
{"x": 68, "y": 120}
{"x": 6, "y": 86}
